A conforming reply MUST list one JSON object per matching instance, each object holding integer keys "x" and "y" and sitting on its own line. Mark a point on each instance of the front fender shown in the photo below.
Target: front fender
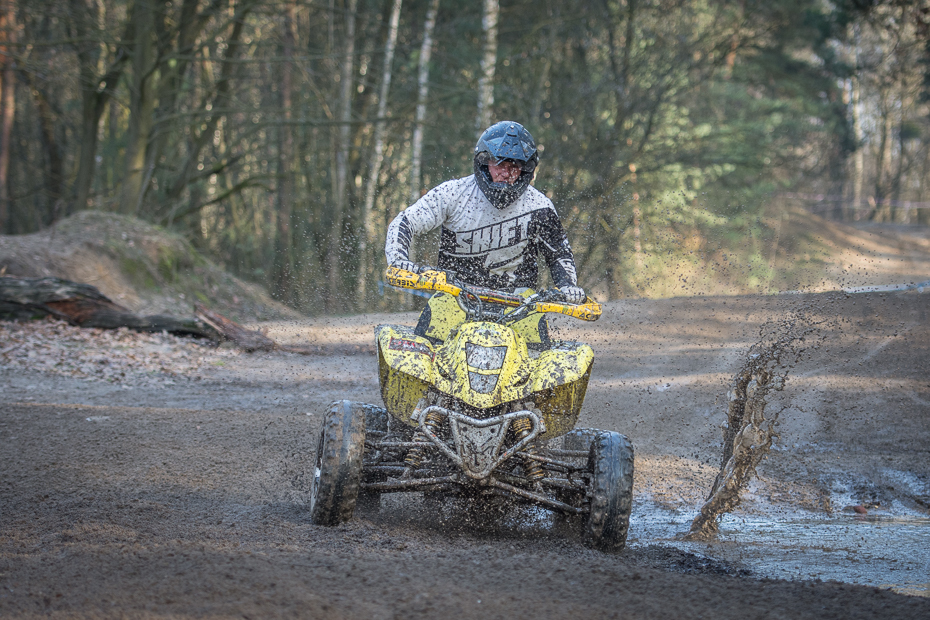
{"x": 405, "y": 368}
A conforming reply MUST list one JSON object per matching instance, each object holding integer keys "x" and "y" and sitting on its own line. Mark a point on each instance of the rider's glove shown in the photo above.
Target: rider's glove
{"x": 573, "y": 294}
{"x": 406, "y": 265}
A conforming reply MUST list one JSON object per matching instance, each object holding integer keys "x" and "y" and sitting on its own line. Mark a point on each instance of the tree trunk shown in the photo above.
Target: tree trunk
{"x": 859, "y": 155}
{"x": 882, "y": 211}
{"x": 7, "y": 103}
{"x": 54, "y": 174}
{"x": 896, "y": 180}
{"x": 340, "y": 181}
{"x": 488, "y": 64}
{"x": 95, "y": 91}
{"x": 283, "y": 278}
{"x": 426, "y": 50}
{"x": 377, "y": 157}
{"x": 173, "y": 68}
{"x": 141, "y": 106}
{"x": 416, "y": 147}
{"x": 202, "y": 130}
{"x": 858, "y": 133}
{"x": 87, "y": 151}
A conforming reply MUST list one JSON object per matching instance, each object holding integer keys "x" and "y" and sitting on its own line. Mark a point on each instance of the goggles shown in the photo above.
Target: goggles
{"x": 484, "y": 158}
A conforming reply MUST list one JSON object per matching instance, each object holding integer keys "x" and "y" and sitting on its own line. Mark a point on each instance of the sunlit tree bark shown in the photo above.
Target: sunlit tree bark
{"x": 7, "y": 102}
{"x": 367, "y": 239}
{"x": 141, "y": 46}
{"x": 96, "y": 88}
{"x": 488, "y": 64}
{"x": 340, "y": 181}
{"x": 858, "y": 134}
{"x": 283, "y": 275}
{"x": 426, "y": 50}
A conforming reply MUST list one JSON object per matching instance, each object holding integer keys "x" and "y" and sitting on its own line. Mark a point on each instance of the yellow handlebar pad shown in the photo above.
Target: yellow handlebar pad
{"x": 436, "y": 281}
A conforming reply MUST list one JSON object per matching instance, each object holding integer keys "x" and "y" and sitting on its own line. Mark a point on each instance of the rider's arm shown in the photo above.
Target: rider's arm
{"x": 424, "y": 215}
{"x": 553, "y": 243}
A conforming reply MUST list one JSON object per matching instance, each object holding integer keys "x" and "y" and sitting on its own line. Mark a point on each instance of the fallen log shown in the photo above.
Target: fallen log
{"x": 246, "y": 339}
{"x": 84, "y": 305}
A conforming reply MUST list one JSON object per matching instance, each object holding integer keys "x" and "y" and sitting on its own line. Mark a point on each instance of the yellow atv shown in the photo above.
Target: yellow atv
{"x": 479, "y": 405}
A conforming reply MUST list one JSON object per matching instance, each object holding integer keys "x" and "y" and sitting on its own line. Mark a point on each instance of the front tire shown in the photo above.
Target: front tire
{"x": 377, "y": 425}
{"x": 611, "y": 464}
{"x": 577, "y": 440}
{"x": 338, "y": 469}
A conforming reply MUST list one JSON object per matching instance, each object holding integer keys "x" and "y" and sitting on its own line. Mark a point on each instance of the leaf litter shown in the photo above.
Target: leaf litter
{"x": 118, "y": 356}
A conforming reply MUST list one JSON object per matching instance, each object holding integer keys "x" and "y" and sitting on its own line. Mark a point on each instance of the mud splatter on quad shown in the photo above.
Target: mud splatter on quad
{"x": 479, "y": 403}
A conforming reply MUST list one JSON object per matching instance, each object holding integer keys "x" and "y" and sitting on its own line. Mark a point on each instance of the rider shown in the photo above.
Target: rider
{"x": 493, "y": 224}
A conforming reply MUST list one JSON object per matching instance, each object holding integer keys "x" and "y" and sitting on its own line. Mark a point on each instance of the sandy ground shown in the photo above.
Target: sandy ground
{"x": 187, "y": 497}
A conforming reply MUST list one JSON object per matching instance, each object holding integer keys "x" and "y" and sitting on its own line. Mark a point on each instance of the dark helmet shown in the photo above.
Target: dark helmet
{"x": 505, "y": 140}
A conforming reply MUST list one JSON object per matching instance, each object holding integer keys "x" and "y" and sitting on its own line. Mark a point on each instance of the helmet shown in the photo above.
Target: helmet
{"x": 511, "y": 141}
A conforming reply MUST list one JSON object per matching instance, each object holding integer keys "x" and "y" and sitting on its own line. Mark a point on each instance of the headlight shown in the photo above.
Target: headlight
{"x": 484, "y": 358}
{"x": 483, "y": 384}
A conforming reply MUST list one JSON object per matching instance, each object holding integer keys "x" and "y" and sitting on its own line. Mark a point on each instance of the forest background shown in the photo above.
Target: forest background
{"x": 280, "y": 138}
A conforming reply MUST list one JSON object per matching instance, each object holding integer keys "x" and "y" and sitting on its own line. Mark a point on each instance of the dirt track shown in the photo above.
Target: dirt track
{"x": 189, "y": 499}
{"x": 179, "y": 498}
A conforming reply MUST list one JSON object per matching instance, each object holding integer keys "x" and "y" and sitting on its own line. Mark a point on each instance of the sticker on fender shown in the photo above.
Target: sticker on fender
{"x": 411, "y": 346}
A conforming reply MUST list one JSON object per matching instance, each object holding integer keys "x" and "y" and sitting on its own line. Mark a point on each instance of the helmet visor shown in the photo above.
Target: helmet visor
{"x": 484, "y": 158}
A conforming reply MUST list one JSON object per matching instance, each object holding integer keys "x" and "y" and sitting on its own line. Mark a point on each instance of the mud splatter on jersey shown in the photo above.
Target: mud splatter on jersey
{"x": 484, "y": 245}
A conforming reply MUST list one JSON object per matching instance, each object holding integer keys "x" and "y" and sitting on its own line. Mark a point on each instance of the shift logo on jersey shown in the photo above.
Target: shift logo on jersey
{"x": 500, "y": 255}
{"x": 494, "y": 237}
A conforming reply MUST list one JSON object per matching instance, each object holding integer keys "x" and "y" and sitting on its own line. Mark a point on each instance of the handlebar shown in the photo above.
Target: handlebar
{"x": 437, "y": 281}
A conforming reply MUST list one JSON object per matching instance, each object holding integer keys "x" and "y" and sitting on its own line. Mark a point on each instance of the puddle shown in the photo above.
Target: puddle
{"x": 882, "y": 551}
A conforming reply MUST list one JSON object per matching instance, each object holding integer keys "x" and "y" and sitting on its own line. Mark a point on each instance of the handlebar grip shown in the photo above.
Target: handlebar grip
{"x": 590, "y": 310}
{"x": 396, "y": 276}
{"x": 429, "y": 280}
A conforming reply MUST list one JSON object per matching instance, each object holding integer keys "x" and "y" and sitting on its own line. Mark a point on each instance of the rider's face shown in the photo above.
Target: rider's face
{"x": 505, "y": 172}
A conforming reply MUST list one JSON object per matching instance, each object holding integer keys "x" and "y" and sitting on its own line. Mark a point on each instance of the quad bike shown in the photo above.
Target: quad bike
{"x": 482, "y": 411}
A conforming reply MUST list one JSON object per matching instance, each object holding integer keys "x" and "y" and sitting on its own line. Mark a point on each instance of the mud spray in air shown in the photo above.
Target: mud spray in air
{"x": 748, "y": 434}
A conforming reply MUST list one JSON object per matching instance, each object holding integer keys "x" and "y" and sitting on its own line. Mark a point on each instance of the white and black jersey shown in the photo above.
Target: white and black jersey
{"x": 484, "y": 245}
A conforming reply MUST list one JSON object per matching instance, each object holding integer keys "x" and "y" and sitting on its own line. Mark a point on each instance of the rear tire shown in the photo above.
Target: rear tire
{"x": 611, "y": 464}
{"x": 338, "y": 470}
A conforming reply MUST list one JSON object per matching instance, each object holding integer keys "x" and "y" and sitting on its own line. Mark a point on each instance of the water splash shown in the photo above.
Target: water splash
{"x": 748, "y": 435}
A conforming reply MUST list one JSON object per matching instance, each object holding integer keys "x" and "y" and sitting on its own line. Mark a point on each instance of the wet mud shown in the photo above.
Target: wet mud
{"x": 190, "y": 499}
{"x": 747, "y": 433}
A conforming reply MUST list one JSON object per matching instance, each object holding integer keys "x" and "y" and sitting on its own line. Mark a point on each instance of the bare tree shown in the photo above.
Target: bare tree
{"x": 284, "y": 252}
{"x": 340, "y": 181}
{"x": 488, "y": 64}
{"x": 377, "y": 155}
{"x": 7, "y": 101}
{"x": 96, "y": 87}
{"x": 141, "y": 103}
{"x": 852, "y": 99}
{"x": 426, "y": 49}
